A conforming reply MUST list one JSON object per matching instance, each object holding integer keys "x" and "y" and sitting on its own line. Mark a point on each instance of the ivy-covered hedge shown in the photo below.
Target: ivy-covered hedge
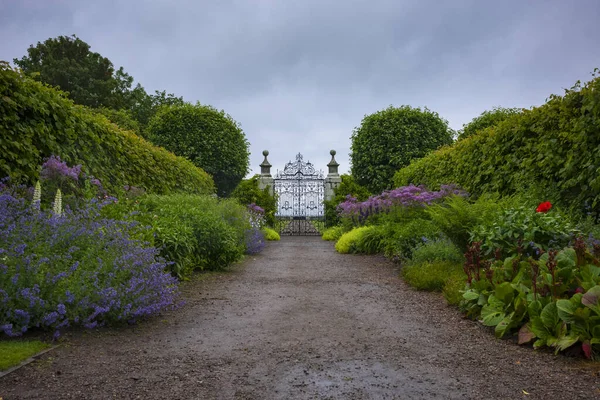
{"x": 551, "y": 151}
{"x": 37, "y": 121}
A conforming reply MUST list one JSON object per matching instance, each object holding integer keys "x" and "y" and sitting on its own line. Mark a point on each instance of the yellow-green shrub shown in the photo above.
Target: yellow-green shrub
{"x": 550, "y": 152}
{"x": 432, "y": 275}
{"x": 333, "y": 233}
{"x": 37, "y": 121}
{"x": 271, "y": 234}
{"x": 347, "y": 242}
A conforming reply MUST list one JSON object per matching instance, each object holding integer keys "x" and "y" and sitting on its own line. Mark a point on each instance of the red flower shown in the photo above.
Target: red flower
{"x": 544, "y": 207}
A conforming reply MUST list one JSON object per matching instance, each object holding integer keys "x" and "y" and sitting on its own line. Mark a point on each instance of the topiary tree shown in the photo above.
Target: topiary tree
{"x": 209, "y": 138}
{"x": 389, "y": 139}
{"x": 486, "y": 119}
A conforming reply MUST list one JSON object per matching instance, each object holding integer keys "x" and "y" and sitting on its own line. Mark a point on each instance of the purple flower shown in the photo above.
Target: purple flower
{"x": 54, "y": 168}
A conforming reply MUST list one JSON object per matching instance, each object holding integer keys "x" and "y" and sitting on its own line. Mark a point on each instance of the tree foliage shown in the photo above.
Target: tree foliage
{"x": 37, "y": 121}
{"x": 68, "y": 63}
{"x": 389, "y": 139}
{"x": 91, "y": 80}
{"x": 211, "y": 139}
{"x": 550, "y": 152}
{"x": 486, "y": 119}
{"x": 248, "y": 192}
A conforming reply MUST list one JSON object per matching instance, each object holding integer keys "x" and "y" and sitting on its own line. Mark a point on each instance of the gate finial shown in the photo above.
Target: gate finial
{"x": 265, "y": 166}
{"x": 333, "y": 165}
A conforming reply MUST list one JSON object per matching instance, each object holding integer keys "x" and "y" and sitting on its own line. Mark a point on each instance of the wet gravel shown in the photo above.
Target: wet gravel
{"x": 300, "y": 321}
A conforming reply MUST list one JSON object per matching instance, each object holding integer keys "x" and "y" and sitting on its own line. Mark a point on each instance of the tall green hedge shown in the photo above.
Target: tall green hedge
{"x": 551, "y": 151}
{"x": 37, "y": 121}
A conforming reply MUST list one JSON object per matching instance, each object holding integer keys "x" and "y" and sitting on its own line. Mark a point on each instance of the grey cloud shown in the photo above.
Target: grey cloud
{"x": 299, "y": 76}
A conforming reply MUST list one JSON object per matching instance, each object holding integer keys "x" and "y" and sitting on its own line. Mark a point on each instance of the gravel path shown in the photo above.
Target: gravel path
{"x": 300, "y": 321}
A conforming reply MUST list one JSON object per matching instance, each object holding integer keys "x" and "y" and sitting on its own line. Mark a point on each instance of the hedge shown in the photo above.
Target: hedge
{"x": 551, "y": 151}
{"x": 37, "y": 121}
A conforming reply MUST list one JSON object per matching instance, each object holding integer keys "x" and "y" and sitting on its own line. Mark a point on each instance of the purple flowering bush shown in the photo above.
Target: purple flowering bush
{"x": 405, "y": 197}
{"x": 78, "y": 269}
{"x": 76, "y": 186}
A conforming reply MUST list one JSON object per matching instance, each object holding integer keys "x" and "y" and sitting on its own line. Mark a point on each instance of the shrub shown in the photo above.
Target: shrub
{"x": 437, "y": 250}
{"x": 333, "y": 233}
{"x": 403, "y": 197}
{"x": 523, "y": 229}
{"x": 247, "y": 192}
{"x": 370, "y": 241}
{"x": 552, "y": 299}
{"x": 454, "y": 288}
{"x": 255, "y": 240}
{"x": 431, "y": 276}
{"x": 53, "y": 125}
{"x": 271, "y": 234}
{"x": 400, "y": 239}
{"x": 549, "y": 150}
{"x": 486, "y": 120}
{"x": 211, "y": 139}
{"x": 347, "y": 242}
{"x": 196, "y": 232}
{"x": 348, "y": 187}
{"x": 75, "y": 269}
{"x": 457, "y": 216}
{"x": 389, "y": 139}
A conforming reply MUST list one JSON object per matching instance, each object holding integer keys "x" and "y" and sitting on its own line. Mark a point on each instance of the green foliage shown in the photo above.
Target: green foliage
{"x": 209, "y": 138}
{"x": 486, "y": 119}
{"x": 550, "y": 151}
{"x": 196, "y": 232}
{"x": 14, "y": 352}
{"x": 431, "y": 276}
{"x": 389, "y": 139}
{"x": 400, "y": 239}
{"x": 271, "y": 234}
{"x": 347, "y": 243}
{"x": 333, "y": 233}
{"x": 538, "y": 230}
{"x": 454, "y": 288}
{"x": 437, "y": 250}
{"x": 553, "y": 299}
{"x": 68, "y": 63}
{"x": 123, "y": 119}
{"x": 37, "y": 121}
{"x": 457, "y": 216}
{"x": 248, "y": 192}
{"x": 370, "y": 241}
{"x": 348, "y": 187}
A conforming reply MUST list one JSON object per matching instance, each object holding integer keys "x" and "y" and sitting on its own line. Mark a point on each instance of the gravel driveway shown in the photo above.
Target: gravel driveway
{"x": 300, "y": 321}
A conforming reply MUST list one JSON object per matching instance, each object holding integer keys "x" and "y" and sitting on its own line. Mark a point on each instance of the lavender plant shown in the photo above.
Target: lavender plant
{"x": 75, "y": 270}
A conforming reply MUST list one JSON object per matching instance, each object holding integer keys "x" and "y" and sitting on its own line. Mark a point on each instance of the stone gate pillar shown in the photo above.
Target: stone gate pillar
{"x": 265, "y": 179}
{"x": 333, "y": 179}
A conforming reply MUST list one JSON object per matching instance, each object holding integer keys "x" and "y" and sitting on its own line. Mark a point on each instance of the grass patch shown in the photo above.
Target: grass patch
{"x": 14, "y": 352}
{"x": 432, "y": 275}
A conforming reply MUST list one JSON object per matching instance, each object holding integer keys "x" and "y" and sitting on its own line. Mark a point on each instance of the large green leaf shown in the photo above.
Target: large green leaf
{"x": 591, "y": 299}
{"x": 491, "y": 316}
{"x": 565, "y": 342}
{"x": 471, "y": 295}
{"x": 566, "y": 310}
{"x": 549, "y": 315}
{"x": 505, "y": 325}
{"x": 504, "y": 292}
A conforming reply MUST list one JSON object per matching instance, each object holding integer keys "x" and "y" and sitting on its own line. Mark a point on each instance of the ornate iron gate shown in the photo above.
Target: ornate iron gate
{"x": 300, "y": 190}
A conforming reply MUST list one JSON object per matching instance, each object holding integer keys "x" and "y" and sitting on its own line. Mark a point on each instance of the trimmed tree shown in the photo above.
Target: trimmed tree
{"x": 209, "y": 138}
{"x": 389, "y": 139}
{"x": 486, "y": 119}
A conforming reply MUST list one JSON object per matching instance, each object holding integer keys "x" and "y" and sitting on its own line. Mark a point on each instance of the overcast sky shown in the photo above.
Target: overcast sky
{"x": 300, "y": 75}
